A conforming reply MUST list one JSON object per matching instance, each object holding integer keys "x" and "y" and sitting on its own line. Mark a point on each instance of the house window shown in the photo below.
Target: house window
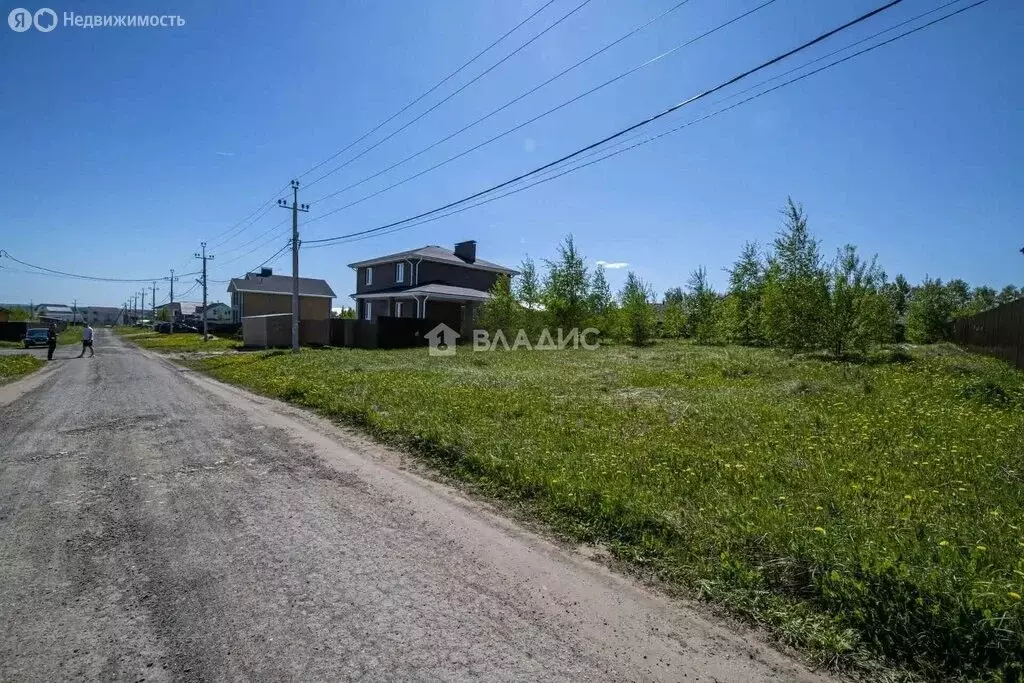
{"x": 398, "y": 309}
{"x": 368, "y": 310}
{"x": 369, "y": 275}
{"x": 399, "y": 272}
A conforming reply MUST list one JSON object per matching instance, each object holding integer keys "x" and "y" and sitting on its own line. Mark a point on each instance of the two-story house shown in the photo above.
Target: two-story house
{"x": 430, "y": 282}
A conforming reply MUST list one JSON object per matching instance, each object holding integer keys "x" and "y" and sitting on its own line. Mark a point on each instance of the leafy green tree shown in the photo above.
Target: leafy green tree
{"x": 637, "y": 320}
{"x": 858, "y": 314}
{"x": 20, "y": 314}
{"x": 960, "y": 297}
{"x": 898, "y": 293}
{"x": 982, "y": 298}
{"x": 600, "y": 292}
{"x": 501, "y": 311}
{"x": 527, "y": 291}
{"x": 602, "y": 305}
{"x": 527, "y": 288}
{"x": 567, "y": 288}
{"x": 673, "y": 314}
{"x": 742, "y": 309}
{"x": 930, "y": 313}
{"x": 795, "y": 293}
{"x": 1007, "y": 294}
{"x": 702, "y": 307}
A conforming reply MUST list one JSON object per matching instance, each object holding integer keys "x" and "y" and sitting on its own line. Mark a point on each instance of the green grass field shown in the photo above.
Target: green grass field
{"x": 864, "y": 513}
{"x": 14, "y": 367}
{"x": 180, "y": 342}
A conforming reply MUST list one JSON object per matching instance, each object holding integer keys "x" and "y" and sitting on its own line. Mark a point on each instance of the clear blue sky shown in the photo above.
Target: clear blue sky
{"x": 123, "y": 148}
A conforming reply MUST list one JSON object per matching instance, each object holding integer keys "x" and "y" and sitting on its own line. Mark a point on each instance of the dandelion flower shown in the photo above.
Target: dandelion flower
{"x": 943, "y": 543}
{"x": 1015, "y": 596}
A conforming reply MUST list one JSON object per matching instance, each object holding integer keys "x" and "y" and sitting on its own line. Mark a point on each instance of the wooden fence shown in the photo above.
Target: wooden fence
{"x": 996, "y": 332}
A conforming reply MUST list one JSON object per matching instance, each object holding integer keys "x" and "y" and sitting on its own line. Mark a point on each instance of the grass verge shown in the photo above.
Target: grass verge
{"x": 181, "y": 342}
{"x": 15, "y": 367}
{"x": 861, "y": 512}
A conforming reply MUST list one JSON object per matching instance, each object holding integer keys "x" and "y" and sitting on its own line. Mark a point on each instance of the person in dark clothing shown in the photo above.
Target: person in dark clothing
{"x": 51, "y": 341}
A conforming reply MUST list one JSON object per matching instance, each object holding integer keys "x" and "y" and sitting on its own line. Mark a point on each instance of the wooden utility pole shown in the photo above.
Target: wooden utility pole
{"x": 170, "y": 306}
{"x": 205, "y": 258}
{"x": 153, "y": 304}
{"x": 295, "y": 207}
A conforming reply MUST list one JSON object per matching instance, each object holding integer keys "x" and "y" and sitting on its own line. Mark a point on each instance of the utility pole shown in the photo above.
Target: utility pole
{"x": 295, "y": 207}
{"x": 205, "y": 258}
{"x": 142, "y": 308}
{"x": 170, "y": 306}
{"x": 74, "y": 309}
{"x": 153, "y": 299}
{"x": 135, "y": 310}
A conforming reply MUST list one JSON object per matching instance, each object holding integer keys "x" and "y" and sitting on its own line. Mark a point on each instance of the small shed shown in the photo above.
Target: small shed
{"x": 275, "y": 330}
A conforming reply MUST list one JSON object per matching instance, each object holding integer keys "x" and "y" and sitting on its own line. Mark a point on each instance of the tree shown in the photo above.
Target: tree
{"x": 527, "y": 288}
{"x": 741, "y": 310}
{"x": 163, "y": 314}
{"x": 600, "y": 292}
{"x": 982, "y": 298}
{"x": 20, "y": 314}
{"x": 795, "y": 294}
{"x": 702, "y": 305}
{"x": 930, "y": 313}
{"x": 528, "y": 292}
{"x": 501, "y": 311}
{"x": 858, "y": 314}
{"x": 567, "y": 288}
{"x": 1007, "y": 294}
{"x": 636, "y": 315}
{"x": 673, "y": 314}
{"x": 898, "y": 293}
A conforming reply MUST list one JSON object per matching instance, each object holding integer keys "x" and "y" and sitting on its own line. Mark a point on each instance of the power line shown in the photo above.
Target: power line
{"x": 95, "y": 278}
{"x": 453, "y": 94}
{"x": 629, "y": 129}
{"x": 424, "y": 94}
{"x": 503, "y": 134}
{"x": 606, "y": 154}
{"x": 240, "y": 227}
{"x": 529, "y": 92}
{"x": 267, "y": 203}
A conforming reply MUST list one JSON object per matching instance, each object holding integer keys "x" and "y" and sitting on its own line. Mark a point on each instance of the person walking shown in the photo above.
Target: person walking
{"x": 87, "y": 341}
{"x": 51, "y": 341}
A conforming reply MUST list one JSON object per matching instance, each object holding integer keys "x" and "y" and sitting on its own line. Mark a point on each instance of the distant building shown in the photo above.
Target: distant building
{"x": 216, "y": 313}
{"x": 55, "y": 313}
{"x": 100, "y": 315}
{"x": 264, "y": 293}
{"x": 180, "y": 309}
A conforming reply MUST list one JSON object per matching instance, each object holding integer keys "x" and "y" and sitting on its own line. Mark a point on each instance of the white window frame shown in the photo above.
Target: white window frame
{"x": 368, "y": 310}
{"x": 398, "y": 309}
{"x": 369, "y": 275}
{"x": 399, "y": 272}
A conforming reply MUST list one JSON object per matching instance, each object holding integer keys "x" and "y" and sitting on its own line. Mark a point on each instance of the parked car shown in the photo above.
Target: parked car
{"x": 165, "y": 328}
{"x": 36, "y": 337}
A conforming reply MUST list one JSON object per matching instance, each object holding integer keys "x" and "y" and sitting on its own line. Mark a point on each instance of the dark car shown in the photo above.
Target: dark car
{"x": 165, "y": 328}
{"x": 36, "y": 337}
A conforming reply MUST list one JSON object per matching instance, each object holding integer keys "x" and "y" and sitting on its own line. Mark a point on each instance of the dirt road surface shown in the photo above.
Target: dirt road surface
{"x": 157, "y": 525}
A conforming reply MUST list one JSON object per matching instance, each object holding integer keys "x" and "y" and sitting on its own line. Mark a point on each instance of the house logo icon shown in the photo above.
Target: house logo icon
{"x": 441, "y": 340}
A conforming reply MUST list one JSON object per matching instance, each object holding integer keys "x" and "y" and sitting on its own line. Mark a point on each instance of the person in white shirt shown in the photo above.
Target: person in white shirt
{"x": 87, "y": 341}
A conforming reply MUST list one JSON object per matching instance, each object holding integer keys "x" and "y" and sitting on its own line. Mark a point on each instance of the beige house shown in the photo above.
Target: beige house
{"x": 266, "y": 294}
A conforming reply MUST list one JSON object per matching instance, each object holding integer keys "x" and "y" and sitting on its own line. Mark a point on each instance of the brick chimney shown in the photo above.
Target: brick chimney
{"x": 466, "y": 251}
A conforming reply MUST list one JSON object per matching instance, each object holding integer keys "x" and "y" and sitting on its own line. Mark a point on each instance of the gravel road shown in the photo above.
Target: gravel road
{"x": 158, "y": 525}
